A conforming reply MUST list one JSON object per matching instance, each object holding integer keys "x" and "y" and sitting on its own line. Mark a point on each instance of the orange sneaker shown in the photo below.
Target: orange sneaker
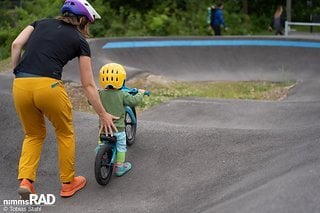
{"x": 70, "y": 189}
{"x": 25, "y": 189}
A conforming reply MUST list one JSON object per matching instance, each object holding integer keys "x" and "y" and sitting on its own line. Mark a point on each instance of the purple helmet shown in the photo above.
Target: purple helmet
{"x": 80, "y": 7}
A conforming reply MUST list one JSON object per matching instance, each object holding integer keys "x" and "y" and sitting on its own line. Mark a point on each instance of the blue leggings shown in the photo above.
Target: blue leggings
{"x": 121, "y": 146}
{"x": 121, "y": 141}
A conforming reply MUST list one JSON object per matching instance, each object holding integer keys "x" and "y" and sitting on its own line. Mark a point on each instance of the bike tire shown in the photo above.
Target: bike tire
{"x": 131, "y": 129}
{"x": 103, "y": 167}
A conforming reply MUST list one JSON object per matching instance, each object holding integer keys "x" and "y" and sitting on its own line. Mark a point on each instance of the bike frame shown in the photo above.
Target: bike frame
{"x": 131, "y": 110}
{"x": 114, "y": 149}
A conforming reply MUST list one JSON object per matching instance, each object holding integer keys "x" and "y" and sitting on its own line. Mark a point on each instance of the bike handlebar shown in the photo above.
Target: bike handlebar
{"x": 134, "y": 91}
{"x": 109, "y": 138}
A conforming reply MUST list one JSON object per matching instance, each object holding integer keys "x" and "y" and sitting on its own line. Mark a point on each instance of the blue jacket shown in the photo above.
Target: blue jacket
{"x": 218, "y": 19}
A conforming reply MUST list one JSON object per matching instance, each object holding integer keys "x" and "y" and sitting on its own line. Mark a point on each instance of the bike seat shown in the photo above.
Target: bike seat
{"x": 109, "y": 138}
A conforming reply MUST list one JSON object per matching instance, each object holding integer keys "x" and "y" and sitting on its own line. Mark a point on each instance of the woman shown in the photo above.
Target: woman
{"x": 38, "y": 91}
{"x": 277, "y": 21}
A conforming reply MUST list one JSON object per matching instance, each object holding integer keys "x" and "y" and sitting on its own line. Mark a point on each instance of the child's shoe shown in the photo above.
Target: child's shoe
{"x": 122, "y": 169}
{"x": 25, "y": 189}
{"x": 69, "y": 189}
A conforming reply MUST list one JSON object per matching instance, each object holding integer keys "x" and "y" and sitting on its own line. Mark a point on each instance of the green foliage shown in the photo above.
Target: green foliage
{"x": 122, "y": 18}
{"x": 10, "y": 28}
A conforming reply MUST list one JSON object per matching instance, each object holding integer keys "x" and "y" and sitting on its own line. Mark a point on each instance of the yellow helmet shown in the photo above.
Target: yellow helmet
{"x": 112, "y": 74}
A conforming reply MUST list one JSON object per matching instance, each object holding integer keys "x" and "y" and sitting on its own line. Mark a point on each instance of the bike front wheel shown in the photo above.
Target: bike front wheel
{"x": 103, "y": 167}
{"x": 131, "y": 129}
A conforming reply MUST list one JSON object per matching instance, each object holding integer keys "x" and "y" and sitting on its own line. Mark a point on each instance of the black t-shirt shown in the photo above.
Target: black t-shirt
{"x": 51, "y": 45}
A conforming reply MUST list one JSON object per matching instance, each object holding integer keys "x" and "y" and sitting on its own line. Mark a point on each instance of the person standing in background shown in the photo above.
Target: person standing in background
{"x": 219, "y": 20}
{"x": 278, "y": 21}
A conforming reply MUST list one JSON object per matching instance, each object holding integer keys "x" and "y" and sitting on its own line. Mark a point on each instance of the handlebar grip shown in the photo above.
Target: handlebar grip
{"x": 134, "y": 90}
{"x": 109, "y": 138}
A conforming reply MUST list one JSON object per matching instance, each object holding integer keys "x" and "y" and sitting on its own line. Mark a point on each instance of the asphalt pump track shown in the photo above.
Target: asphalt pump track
{"x": 194, "y": 154}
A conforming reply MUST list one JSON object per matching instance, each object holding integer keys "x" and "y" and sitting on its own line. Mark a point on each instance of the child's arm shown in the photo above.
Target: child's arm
{"x": 133, "y": 100}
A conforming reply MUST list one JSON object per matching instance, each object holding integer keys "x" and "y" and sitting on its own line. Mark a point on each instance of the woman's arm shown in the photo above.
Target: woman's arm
{"x": 91, "y": 92}
{"x": 18, "y": 44}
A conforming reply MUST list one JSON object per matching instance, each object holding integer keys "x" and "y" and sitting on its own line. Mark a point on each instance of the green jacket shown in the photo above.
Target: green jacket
{"x": 114, "y": 101}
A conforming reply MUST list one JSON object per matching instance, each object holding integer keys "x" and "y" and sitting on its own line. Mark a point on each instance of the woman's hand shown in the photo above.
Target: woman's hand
{"x": 106, "y": 124}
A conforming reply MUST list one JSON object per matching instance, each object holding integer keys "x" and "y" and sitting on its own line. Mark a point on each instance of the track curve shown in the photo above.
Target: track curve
{"x": 195, "y": 155}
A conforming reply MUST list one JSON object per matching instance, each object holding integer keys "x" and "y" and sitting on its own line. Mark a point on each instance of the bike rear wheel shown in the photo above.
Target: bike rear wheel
{"x": 103, "y": 167}
{"x": 131, "y": 129}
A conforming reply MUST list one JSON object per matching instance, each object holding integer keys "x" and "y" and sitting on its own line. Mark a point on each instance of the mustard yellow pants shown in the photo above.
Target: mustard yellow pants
{"x": 34, "y": 98}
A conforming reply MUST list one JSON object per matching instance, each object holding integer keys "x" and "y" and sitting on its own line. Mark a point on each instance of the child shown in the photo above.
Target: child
{"x": 112, "y": 78}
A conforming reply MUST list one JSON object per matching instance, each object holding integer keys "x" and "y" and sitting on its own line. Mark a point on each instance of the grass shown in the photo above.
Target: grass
{"x": 164, "y": 89}
{"x": 315, "y": 29}
{"x": 249, "y": 90}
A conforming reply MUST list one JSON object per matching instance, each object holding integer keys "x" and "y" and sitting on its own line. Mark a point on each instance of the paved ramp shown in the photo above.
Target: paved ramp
{"x": 195, "y": 155}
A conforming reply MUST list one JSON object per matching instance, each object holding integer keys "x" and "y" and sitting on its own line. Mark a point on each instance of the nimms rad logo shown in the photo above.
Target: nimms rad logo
{"x": 42, "y": 199}
{"x": 29, "y": 205}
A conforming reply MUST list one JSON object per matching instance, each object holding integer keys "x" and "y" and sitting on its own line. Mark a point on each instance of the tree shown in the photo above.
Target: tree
{"x": 245, "y": 7}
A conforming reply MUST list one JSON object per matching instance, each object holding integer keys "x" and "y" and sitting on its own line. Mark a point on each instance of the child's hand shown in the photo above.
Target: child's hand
{"x": 141, "y": 90}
